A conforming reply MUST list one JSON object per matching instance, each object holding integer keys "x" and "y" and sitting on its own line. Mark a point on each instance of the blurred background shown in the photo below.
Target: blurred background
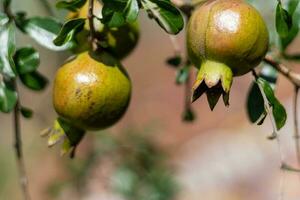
{"x": 151, "y": 154}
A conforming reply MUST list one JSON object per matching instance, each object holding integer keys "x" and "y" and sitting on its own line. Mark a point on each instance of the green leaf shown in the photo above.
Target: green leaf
{"x": 27, "y": 60}
{"x": 174, "y": 61}
{"x": 269, "y": 74}
{"x": 68, "y": 31}
{"x": 7, "y": 49}
{"x": 34, "y": 80}
{"x": 8, "y": 98}
{"x": 284, "y": 21}
{"x": 44, "y": 30}
{"x": 165, "y": 14}
{"x": 131, "y": 10}
{"x": 278, "y": 110}
{"x": 26, "y": 112}
{"x": 3, "y": 19}
{"x": 255, "y": 103}
{"x": 188, "y": 115}
{"x": 116, "y": 20}
{"x": 262, "y": 118}
{"x": 117, "y": 12}
{"x": 292, "y": 6}
{"x": 182, "y": 75}
{"x": 286, "y": 41}
{"x": 70, "y": 5}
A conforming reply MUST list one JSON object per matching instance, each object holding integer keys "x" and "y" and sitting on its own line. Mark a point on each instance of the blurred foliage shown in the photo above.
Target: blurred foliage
{"x": 140, "y": 171}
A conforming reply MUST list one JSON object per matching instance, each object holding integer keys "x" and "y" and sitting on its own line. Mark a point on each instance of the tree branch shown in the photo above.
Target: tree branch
{"x": 93, "y": 37}
{"x": 284, "y": 70}
{"x": 47, "y": 7}
{"x": 270, "y": 114}
{"x": 19, "y": 151}
{"x": 17, "y": 129}
{"x": 296, "y": 125}
{"x": 274, "y": 135}
{"x": 175, "y": 44}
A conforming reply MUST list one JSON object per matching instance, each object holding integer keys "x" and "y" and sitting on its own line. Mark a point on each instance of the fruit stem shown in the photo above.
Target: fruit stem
{"x": 93, "y": 37}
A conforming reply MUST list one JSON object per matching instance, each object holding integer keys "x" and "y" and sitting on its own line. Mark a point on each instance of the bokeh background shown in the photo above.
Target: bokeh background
{"x": 151, "y": 154}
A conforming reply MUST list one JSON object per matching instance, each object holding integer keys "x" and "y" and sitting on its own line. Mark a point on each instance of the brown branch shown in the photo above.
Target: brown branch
{"x": 296, "y": 125}
{"x": 294, "y": 78}
{"x": 176, "y": 45}
{"x": 275, "y": 134}
{"x": 18, "y": 150}
{"x": 187, "y": 88}
{"x": 93, "y": 37}
{"x": 284, "y": 70}
{"x": 269, "y": 111}
{"x": 47, "y": 7}
{"x": 17, "y": 129}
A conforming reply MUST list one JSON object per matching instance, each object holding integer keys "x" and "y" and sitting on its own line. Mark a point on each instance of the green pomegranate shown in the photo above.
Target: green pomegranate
{"x": 225, "y": 38}
{"x": 91, "y": 91}
{"x": 120, "y": 41}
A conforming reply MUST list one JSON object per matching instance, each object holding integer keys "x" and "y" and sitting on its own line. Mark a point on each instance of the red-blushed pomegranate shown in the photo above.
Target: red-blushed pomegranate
{"x": 225, "y": 38}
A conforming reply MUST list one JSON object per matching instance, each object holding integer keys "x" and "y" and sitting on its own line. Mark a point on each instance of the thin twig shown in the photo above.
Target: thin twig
{"x": 281, "y": 185}
{"x": 188, "y": 92}
{"x": 17, "y": 129}
{"x": 19, "y": 152}
{"x": 284, "y": 70}
{"x": 269, "y": 111}
{"x": 296, "y": 125}
{"x": 47, "y": 7}
{"x": 92, "y": 25}
{"x": 175, "y": 44}
{"x": 187, "y": 84}
{"x": 294, "y": 78}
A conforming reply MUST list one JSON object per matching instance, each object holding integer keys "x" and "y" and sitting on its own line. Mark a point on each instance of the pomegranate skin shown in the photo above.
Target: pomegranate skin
{"x": 227, "y": 31}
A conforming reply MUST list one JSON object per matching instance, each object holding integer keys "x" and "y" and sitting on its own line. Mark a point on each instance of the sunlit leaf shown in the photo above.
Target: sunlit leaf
{"x": 118, "y": 12}
{"x": 44, "y": 30}
{"x": 27, "y": 59}
{"x": 165, "y": 14}
{"x": 283, "y": 21}
{"x": 279, "y": 112}
{"x": 3, "y": 19}
{"x": 68, "y": 31}
{"x": 8, "y": 98}
{"x": 7, "y": 49}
